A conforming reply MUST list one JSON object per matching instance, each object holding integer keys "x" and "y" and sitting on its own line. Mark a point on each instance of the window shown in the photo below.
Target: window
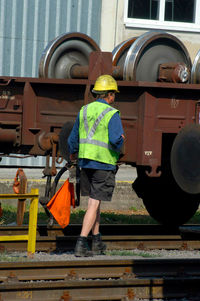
{"x": 179, "y": 11}
{"x": 143, "y": 9}
{"x": 181, "y": 15}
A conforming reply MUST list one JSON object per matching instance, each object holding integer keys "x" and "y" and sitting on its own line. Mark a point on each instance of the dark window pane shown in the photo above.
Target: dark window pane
{"x": 179, "y": 10}
{"x": 143, "y": 9}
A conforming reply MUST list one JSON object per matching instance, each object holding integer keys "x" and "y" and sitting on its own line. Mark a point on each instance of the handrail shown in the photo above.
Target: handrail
{"x": 32, "y": 227}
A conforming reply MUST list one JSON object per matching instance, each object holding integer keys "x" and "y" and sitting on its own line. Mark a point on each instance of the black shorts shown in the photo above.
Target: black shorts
{"x": 97, "y": 184}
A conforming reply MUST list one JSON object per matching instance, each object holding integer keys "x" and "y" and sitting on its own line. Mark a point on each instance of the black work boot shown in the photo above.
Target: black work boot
{"x": 82, "y": 248}
{"x": 98, "y": 247}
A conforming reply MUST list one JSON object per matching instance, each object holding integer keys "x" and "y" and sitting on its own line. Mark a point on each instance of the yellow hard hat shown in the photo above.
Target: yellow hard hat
{"x": 105, "y": 83}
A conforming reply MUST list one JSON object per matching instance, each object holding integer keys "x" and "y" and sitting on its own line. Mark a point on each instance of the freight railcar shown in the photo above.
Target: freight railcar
{"x": 159, "y": 105}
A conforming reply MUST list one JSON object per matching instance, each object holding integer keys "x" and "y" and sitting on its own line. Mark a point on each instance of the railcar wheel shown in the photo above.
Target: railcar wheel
{"x": 165, "y": 201}
{"x": 64, "y": 52}
{"x": 195, "y": 72}
{"x": 119, "y": 53}
{"x": 150, "y": 50}
{"x": 185, "y": 162}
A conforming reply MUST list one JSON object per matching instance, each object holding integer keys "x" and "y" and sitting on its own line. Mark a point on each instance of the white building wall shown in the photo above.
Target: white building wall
{"x": 114, "y": 31}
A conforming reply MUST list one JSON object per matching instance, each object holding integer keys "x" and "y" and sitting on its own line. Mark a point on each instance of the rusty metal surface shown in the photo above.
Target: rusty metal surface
{"x": 102, "y": 290}
{"x": 20, "y": 186}
{"x": 34, "y": 111}
{"x": 120, "y": 51}
{"x": 119, "y": 279}
{"x": 149, "y": 112}
{"x": 57, "y": 240}
{"x": 100, "y": 268}
{"x": 67, "y": 243}
{"x": 106, "y": 229}
{"x": 48, "y": 104}
{"x": 8, "y": 136}
{"x": 174, "y": 72}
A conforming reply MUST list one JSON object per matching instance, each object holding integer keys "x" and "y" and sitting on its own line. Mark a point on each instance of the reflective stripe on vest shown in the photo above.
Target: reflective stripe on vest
{"x": 99, "y": 143}
{"x": 111, "y": 156}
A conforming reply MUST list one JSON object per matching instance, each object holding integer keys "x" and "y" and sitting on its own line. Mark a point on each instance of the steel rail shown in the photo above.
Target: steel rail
{"x": 106, "y": 229}
{"x": 100, "y": 279}
{"x": 57, "y": 239}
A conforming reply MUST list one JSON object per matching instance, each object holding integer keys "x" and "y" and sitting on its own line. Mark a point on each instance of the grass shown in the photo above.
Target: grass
{"x": 9, "y": 217}
{"x": 133, "y": 216}
{"x": 9, "y": 257}
{"x": 4, "y": 256}
{"x": 195, "y": 219}
{"x": 129, "y": 253}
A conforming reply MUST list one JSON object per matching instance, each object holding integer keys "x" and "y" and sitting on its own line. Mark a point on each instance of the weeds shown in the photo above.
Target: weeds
{"x": 129, "y": 253}
{"x": 10, "y": 214}
{"x": 4, "y": 256}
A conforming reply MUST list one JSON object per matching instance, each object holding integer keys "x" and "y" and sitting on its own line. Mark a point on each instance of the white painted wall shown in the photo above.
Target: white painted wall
{"x": 108, "y": 24}
{"x": 113, "y": 30}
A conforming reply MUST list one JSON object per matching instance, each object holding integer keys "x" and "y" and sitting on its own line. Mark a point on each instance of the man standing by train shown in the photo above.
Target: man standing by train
{"x": 97, "y": 137}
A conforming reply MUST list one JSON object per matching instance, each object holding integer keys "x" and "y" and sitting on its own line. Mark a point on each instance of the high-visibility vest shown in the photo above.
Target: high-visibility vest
{"x": 93, "y": 133}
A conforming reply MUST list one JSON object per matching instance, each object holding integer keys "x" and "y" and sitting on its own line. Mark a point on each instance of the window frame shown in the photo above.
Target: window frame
{"x": 161, "y": 24}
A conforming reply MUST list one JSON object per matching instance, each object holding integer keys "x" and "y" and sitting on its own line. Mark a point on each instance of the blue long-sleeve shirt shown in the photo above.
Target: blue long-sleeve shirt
{"x": 115, "y": 130}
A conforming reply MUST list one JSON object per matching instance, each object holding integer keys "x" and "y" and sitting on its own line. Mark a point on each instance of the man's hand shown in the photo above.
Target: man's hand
{"x": 122, "y": 151}
{"x": 73, "y": 157}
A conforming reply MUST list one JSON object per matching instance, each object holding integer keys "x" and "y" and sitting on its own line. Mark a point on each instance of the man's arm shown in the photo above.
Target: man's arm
{"x": 73, "y": 140}
{"x": 116, "y": 132}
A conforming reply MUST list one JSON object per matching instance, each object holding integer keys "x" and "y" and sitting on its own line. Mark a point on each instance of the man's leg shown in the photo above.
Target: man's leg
{"x": 89, "y": 220}
{"x": 92, "y": 218}
{"x": 98, "y": 246}
{"x": 98, "y": 190}
{"x": 95, "y": 228}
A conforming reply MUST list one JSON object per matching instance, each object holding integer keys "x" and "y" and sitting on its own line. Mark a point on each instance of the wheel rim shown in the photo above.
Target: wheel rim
{"x": 63, "y": 53}
{"x": 195, "y": 72}
{"x": 119, "y": 53}
{"x": 149, "y": 51}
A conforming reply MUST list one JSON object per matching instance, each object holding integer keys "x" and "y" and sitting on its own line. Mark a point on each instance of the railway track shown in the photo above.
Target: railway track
{"x": 128, "y": 237}
{"x": 101, "y": 279}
